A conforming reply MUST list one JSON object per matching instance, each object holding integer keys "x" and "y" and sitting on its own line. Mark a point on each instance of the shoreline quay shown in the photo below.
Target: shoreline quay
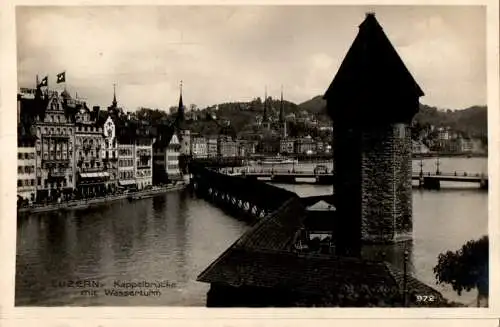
{"x": 94, "y": 202}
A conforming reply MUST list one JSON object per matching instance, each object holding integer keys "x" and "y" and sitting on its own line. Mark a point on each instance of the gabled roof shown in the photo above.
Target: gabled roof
{"x": 321, "y": 205}
{"x": 372, "y": 69}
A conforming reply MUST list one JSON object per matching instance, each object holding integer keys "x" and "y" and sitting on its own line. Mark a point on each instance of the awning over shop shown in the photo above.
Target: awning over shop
{"x": 95, "y": 175}
{"x": 126, "y": 183}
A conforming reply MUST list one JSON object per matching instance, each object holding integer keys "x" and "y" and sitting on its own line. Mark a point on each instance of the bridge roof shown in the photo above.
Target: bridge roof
{"x": 322, "y": 280}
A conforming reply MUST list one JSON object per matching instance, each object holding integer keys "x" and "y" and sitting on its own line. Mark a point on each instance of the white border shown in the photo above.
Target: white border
{"x": 133, "y": 316}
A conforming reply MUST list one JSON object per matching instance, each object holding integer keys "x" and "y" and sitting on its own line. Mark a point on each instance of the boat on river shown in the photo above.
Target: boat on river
{"x": 278, "y": 160}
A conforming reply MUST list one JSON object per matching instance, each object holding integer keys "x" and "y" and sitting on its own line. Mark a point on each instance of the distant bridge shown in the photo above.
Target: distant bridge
{"x": 426, "y": 180}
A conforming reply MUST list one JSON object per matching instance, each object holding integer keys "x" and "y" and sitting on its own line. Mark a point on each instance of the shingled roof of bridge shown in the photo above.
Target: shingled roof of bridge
{"x": 277, "y": 230}
{"x": 320, "y": 280}
{"x": 263, "y": 257}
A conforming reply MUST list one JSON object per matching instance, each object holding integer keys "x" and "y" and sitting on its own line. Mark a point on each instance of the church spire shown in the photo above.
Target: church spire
{"x": 282, "y": 107}
{"x": 265, "y": 118}
{"x": 114, "y": 103}
{"x": 181, "y": 106}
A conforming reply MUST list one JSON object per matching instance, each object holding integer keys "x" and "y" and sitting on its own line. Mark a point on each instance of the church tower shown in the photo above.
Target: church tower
{"x": 282, "y": 121}
{"x": 372, "y": 101}
{"x": 265, "y": 115}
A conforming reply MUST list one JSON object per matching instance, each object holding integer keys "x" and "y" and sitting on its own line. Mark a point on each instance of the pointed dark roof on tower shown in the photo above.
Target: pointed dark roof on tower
{"x": 180, "y": 119}
{"x": 114, "y": 104}
{"x": 372, "y": 69}
{"x": 264, "y": 116}
{"x": 282, "y": 107}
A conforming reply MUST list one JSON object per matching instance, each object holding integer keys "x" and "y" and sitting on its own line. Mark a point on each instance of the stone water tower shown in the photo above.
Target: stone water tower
{"x": 372, "y": 101}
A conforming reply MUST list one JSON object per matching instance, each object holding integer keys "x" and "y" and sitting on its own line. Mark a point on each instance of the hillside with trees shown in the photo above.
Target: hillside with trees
{"x": 244, "y": 117}
{"x": 471, "y": 121}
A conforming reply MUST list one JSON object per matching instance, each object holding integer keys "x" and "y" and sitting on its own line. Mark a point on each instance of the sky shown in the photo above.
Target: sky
{"x": 233, "y": 53}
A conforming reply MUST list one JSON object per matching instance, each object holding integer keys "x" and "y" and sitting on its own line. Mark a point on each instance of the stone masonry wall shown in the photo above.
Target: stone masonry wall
{"x": 385, "y": 183}
{"x": 403, "y": 166}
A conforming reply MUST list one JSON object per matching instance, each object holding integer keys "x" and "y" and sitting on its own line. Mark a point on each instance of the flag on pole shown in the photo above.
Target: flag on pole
{"x": 61, "y": 77}
{"x": 44, "y": 82}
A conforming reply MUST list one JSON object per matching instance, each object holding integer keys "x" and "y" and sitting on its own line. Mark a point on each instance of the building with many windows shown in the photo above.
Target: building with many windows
{"x": 110, "y": 153}
{"x": 143, "y": 162}
{"x": 199, "y": 147}
{"x": 305, "y": 145}
{"x": 227, "y": 147}
{"x": 26, "y": 166}
{"x": 212, "y": 147}
{"x": 126, "y": 165}
{"x": 91, "y": 174}
{"x": 172, "y": 159}
{"x": 287, "y": 146}
{"x": 246, "y": 147}
{"x": 55, "y": 131}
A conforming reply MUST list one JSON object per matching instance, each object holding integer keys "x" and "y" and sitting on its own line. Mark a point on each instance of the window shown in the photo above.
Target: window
{"x": 19, "y": 156}
{"x": 70, "y": 178}
{"x": 19, "y": 182}
{"x": 39, "y": 181}
{"x": 19, "y": 169}
{"x": 401, "y": 130}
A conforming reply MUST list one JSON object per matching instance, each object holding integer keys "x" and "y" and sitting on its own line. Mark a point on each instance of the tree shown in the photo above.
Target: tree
{"x": 466, "y": 268}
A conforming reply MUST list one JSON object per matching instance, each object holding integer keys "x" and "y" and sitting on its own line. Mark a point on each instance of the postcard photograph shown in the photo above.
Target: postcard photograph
{"x": 252, "y": 156}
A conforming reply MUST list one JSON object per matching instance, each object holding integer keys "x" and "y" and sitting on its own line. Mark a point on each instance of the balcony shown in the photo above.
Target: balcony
{"x": 56, "y": 136}
{"x": 91, "y": 170}
{"x": 47, "y": 163}
{"x": 57, "y": 173}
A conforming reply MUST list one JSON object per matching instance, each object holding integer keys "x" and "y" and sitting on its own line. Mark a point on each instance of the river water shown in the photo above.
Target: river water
{"x": 171, "y": 238}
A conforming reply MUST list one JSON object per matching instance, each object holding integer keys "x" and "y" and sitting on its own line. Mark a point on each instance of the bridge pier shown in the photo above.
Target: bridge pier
{"x": 283, "y": 179}
{"x": 430, "y": 183}
{"x": 324, "y": 179}
{"x": 483, "y": 184}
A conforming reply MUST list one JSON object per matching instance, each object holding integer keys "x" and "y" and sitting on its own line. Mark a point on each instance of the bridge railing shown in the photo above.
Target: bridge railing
{"x": 250, "y": 171}
{"x": 451, "y": 174}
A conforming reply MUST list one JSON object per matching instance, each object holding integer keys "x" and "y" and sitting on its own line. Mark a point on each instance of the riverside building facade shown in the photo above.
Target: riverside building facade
{"x": 55, "y": 131}
{"x": 143, "y": 162}
{"x": 173, "y": 152}
{"x": 126, "y": 166}
{"x": 91, "y": 173}
{"x": 110, "y": 153}
{"x": 26, "y": 166}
